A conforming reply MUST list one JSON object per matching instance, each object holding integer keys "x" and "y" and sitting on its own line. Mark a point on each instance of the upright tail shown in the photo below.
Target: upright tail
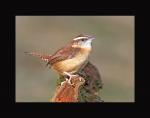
{"x": 45, "y": 58}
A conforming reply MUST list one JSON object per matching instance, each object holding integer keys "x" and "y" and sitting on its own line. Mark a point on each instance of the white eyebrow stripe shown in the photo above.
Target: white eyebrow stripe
{"x": 79, "y": 38}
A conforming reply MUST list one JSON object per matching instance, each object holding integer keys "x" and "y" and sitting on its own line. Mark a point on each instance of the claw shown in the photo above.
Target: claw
{"x": 62, "y": 83}
{"x": 70, "y": 77}
{"x": 68, "y": 81}
{"x": 80, "y": 79}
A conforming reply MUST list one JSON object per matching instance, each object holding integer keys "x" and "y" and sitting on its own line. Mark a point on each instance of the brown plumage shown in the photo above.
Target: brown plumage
{"x": 64, "y": 53}
{"x": 71, "y": 57}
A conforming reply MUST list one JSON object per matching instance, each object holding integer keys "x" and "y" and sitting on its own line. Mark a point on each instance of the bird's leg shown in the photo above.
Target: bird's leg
{"x": 67, "y": 80}
{"x": 70, "y": 76}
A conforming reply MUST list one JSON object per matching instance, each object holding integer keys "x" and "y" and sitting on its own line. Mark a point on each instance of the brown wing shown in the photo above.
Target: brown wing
{"x": 66, "y": 52}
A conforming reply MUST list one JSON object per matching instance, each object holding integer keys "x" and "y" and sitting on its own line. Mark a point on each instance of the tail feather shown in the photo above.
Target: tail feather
{"x": 43, "y": 57}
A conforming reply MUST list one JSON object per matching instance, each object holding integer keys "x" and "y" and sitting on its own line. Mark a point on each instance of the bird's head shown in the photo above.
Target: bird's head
{"x": 83, "y": 41}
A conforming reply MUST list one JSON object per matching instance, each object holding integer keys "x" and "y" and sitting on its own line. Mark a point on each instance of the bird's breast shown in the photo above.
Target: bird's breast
{"x": 74, "y": 64}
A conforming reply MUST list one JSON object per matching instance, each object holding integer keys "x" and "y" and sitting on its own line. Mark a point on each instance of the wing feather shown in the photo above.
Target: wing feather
{"x": 66, "y": 52}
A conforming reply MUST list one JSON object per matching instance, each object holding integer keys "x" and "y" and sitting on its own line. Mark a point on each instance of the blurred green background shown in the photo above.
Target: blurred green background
{"x": 113, "y": 53}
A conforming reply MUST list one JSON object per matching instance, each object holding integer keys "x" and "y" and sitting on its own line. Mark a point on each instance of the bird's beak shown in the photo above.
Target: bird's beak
{"x": 91, "y": 37}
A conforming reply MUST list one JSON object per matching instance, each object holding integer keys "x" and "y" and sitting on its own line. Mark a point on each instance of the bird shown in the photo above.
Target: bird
{"x": 71, "y": 58}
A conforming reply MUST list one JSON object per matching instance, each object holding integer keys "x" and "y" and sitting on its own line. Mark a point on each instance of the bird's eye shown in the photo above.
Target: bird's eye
{"x": 82, "y": 39}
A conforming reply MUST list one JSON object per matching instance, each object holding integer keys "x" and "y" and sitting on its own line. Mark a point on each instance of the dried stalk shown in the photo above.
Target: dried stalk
{"x": 81, "y": 91}
{"x": 67, "y": 92}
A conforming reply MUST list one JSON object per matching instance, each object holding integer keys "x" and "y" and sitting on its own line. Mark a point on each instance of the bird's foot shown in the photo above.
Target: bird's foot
{"x": 68, "y": 81}
{"x": 80, "y": 79}
{"x": 62, "y": 83}
{"x": 70, "y": 77}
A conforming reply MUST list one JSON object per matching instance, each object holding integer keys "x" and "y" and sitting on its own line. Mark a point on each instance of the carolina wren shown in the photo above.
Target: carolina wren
{"x": 71, "y": 58}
